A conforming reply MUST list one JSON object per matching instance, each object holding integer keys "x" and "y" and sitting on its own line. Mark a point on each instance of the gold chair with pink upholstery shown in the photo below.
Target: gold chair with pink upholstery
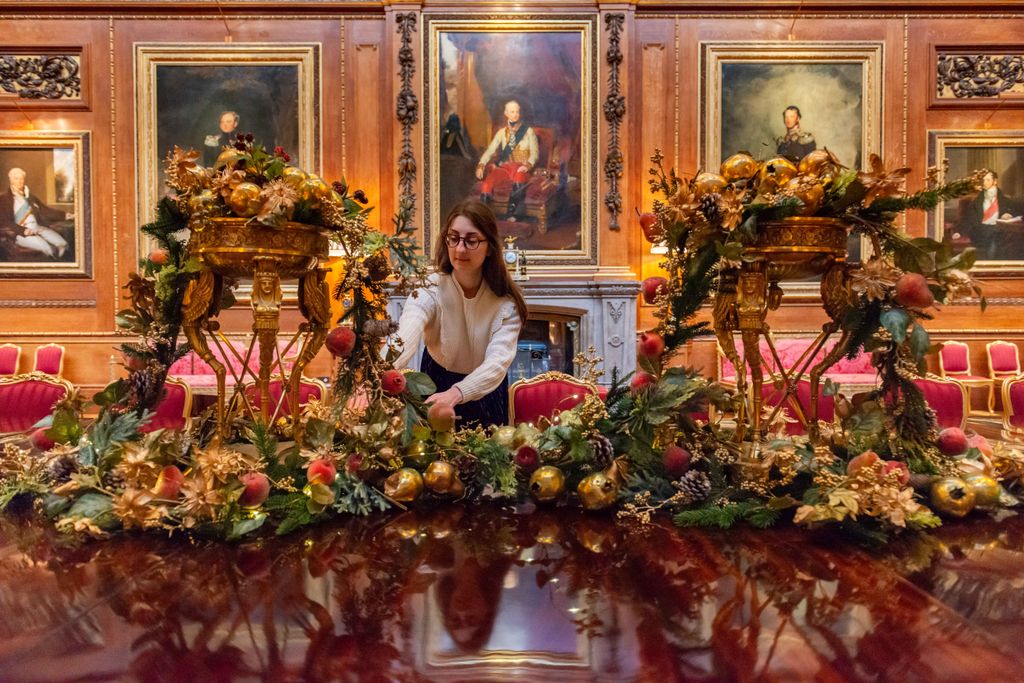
{"x": 27, "y": 399}
{"x": 10, "y": 355}
{"x": 546, "y": 395}
{"x": 1003, "y": 363}
{"x": 1013, "y": 408}
{"x": 955, "y": 363}
{"x": 174, "y": 411}
{"x": 280, "y": 404}
{"x": 50, "y": 359}
{"x": 948, "y": 398}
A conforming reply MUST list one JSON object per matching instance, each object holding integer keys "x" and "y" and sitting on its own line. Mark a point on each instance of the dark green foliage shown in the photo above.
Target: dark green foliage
{"x": 494, "y": 465}
{"x": 356, "y": 497}
{"x": 754, "y": 512}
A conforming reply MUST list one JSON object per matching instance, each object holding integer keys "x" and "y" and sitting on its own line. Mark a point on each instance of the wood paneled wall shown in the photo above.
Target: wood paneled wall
{"x": 361, "y": 138}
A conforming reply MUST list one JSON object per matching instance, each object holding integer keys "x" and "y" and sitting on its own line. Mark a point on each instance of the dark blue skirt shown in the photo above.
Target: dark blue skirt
{"x": 492, "y": 409}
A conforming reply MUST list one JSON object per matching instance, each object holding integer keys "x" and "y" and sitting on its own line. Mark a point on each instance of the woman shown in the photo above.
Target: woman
{"x": 468, "y": 318}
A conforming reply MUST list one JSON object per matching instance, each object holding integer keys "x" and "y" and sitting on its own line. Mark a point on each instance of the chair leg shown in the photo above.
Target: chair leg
{"x": 992, "y": 398}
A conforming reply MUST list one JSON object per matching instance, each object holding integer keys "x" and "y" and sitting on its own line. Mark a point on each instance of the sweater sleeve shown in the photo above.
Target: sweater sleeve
{"x": 418, "y": 312}
{"x": 501, "y": 350}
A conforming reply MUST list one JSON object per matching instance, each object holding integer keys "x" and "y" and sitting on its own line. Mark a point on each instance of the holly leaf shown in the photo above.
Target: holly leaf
{"x": 919, "y": 341}
{"x": 419, "y": 384}
{"x": 895, "y": 320}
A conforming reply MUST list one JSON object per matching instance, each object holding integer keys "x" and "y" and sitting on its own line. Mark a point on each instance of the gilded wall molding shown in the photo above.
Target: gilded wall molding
{"x": 614, "y": 112}
{"x": 47, "y": 303}
{"x": 407, "y": 111}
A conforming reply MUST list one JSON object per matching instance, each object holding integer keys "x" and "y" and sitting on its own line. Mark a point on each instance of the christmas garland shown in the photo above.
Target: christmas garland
{"x": 648, "y": 448}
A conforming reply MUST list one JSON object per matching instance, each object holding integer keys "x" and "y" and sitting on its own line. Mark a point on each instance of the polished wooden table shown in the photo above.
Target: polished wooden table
{"x": 481, "y": 594}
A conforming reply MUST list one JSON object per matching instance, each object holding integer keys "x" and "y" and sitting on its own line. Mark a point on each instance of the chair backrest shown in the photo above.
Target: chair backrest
{"x": 50, "y": 359}
{"x": 545, "y": 395}
{"x": 27, "y": 399}
{"x": 1013, "y": 404}
{"x": 1002, "y": 358}
{"x": 954, "y": 359}
{"x": 174, "y": 409}
{"x": 948, "y": 398}
{"x": 279, "y": 394}
{"x": 10, "y": 354}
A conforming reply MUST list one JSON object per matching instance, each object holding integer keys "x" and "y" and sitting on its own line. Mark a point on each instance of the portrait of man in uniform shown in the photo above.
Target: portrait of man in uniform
{"x": 225, "y": 137}
{"x": 795, "y": 143}
{"x": 510, "y": 126}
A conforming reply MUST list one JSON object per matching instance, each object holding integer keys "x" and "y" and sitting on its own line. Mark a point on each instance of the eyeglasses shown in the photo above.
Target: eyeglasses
{"x": 471, "y": 242}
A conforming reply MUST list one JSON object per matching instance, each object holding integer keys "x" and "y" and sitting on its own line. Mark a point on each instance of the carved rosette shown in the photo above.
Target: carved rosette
{"x": 614, "y": 112}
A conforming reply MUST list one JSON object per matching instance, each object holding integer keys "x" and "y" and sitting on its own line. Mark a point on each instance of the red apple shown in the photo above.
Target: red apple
{"x": 353, "y": 462}
{"x": 257, "y": 488}
{"x": 441, "y": 417}
{"x": 40, "y": 440}
{"x": 651, "y": 227}
{"x": 952, "y": 441}
{"x": 168, "y": 484}
{"x": 341, "y": 341}
{"x": 527, "y": 458}
{"x": 651, "y": 345}
{"x": 981, "y": 443}
{"x": 321, "y": 472}
{"x": 159, "y": 256}
{"x": 641, "y": 380}
{"x": 865, "y": 459}
{"x": 652, "y": 287}
{"x": 912, "y": 291}
{"x": 676, "y": 460}
{"x": 897, "y": 466}
{"x": 393, "y": 382}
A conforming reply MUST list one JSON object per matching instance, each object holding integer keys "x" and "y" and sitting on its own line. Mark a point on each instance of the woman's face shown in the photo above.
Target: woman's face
{"x": 464, "y": 260}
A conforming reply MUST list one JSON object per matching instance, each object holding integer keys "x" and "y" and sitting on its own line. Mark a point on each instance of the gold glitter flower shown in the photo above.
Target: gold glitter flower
{"x": 874, "y": 279}
{"x": 133, "y": 509}
{"x": 879, "y": 182}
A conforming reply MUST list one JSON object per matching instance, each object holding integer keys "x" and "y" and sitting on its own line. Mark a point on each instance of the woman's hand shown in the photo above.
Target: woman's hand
{"x": 452, "y": 397}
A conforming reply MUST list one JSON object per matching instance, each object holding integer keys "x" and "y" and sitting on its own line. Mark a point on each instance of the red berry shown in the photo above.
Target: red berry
{"x": 652, "y": 229}
{"x": 257, "y": 488}
{"x": 393, "y": 382}
{"x": 642, "y": 380}
{"x": 912, "y": 291}
{"x": 900, "y": 467}
{"x": 527, "y": 458}
{"x": 651, "y": 345}
{"x": 652, "y": 287}
{"x": 169, "y": 483}
{"x": 341, "y": 341}
{"x": 321, "y": 472}
{"x": 952, "y": 441}
{"x": 676, "y": 460}
{"x": 40, "y": 440}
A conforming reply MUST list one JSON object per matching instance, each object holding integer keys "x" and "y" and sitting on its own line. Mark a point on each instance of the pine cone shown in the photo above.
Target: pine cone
{"x": 604, "y": 452}
{"x": 378, "y": 266}
{"x": 708, "y": 206}
{"x": 61, "y": 468}
{"x": 113, "y": 480}
{"x": 465, "y": 464}
{"x": 695, "y": 484}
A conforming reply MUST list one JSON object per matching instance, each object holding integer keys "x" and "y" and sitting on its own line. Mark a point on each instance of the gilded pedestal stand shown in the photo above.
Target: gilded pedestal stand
{"x": 799, "y": 247}
{"x": 239, "y": 248}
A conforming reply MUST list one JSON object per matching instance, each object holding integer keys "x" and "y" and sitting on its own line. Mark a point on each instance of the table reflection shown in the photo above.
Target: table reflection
{"x": 460, "y": 594}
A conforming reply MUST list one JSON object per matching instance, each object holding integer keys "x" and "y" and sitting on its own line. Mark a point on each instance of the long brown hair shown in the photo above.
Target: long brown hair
{"x": 495, "y": 274}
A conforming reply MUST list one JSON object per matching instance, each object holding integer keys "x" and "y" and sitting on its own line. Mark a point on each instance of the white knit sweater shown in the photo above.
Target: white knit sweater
{"x": 475, "y": 337}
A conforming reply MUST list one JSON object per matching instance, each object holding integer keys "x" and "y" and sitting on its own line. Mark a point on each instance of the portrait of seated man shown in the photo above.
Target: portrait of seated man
{"x": 27, "y": 224}
{"x": 796, "y": 143}
{"x": 225, "y": 136}
{"x": 986, "y": 218}
{"x": 511, "y": 155}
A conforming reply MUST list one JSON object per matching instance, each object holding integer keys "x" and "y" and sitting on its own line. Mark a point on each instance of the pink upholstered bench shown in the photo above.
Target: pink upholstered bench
{"x": 854, "y": 375}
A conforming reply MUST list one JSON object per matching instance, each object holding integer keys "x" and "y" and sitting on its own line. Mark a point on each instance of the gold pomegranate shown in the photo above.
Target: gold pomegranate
{"x": 547, "y": 483}
{"x": 405, "y": 485}
{"x": 952, "y": 497}
{"x": 440, "y": 476}
{"x": 775, "y": 173}
{"x": 986, "y": 490}
{"x": 739, "y": 167}
{"x": 293, "y": 177}
{"x": 708, "y": 183}
{"x": 245, "y": 200}
{"x": 597, "y": 491}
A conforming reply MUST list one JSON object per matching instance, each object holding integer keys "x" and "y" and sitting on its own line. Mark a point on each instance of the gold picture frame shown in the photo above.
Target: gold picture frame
{"x": 966, "y": 151}
{"x": 553, "y": 209}
{"x": 836, "y": 87}
{"x": 188, "y": 75}
{"x": 56, "y": 171}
